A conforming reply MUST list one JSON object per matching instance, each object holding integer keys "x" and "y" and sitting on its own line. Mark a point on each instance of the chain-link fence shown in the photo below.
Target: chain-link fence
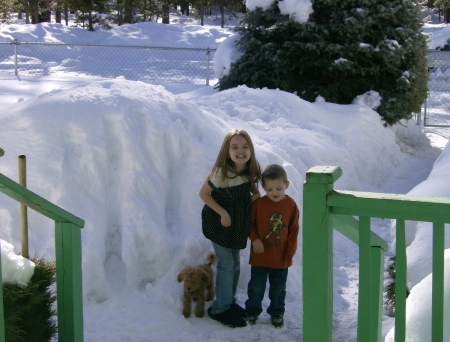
{"x": 139, "y": 63}
{"x": 157, "y": 64}
{"x": 437, "y": 106}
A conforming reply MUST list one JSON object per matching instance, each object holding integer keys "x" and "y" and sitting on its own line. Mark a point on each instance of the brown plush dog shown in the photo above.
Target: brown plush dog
{"x": 198, "y": 286}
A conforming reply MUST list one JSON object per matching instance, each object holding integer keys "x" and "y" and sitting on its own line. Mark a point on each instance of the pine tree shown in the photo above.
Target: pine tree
{"x": 345, "y": 49}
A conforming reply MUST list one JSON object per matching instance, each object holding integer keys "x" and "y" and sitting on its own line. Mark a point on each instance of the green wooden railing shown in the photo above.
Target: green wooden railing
{"x": 325, "y": 209}
{"x": 68, "y": 261}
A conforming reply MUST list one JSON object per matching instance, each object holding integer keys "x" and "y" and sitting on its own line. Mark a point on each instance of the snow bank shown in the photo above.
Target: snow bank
{"x": 15, "y": 268}
{"x": 418, "y": 308}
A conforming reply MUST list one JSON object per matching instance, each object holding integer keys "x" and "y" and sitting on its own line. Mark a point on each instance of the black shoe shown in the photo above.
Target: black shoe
{"x": 277, "y": 321}
{"x": 238, "y": 309}
{"x": 228, "y": 318}
{"x": 251, "y": 318}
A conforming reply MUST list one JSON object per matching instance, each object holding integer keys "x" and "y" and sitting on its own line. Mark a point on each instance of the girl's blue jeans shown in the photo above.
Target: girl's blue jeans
{"x": 227, "y": 277}
{"x": 257, "y": 286}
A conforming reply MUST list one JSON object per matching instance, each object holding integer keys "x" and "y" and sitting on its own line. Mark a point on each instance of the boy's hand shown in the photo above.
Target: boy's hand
{"x": 225, "y": 219}
{"x": 258, "y": 246}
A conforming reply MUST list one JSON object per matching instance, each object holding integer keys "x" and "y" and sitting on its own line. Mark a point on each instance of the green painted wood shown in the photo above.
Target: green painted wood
{"x": 323, "y": 174}
{"x": 317, "y": 240}
{"x": 376, "y": 292}
{"x": 400, "y": 282}
{"x": 437, "y": 315}
{"x": 2, "y": 314}
{"x": 69, "y": 282}
{"x": 68, "y": 260}
{"x": 404, "y": 207}
{"x": 349, "y": 227}
{"x": 364, "y": 307}
{"x": 318, "y": 255}
{"x": 37, "y": 203}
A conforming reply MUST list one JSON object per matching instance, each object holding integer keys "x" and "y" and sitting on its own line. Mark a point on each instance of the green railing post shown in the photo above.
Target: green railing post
{"x": 350, "y": 227}
{"x": 376, "y": 290}
{"x": 69, "y": 282}
{"x": 2, "y": 315}
{"x": 437, "y": 315}
{"x": 401, "y": 270}
{"x": 364, "y": 309}
{"x": 318, "y": 254}
{"x": 69, "y": 289}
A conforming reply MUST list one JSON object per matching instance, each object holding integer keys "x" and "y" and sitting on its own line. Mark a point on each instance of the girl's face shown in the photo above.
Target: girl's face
{"x": 239, "y": 152}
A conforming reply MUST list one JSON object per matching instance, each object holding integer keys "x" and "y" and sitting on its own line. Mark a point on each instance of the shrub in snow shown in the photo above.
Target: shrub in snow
{"x": 28, "y": 298}
{"x": 344, "y": 50}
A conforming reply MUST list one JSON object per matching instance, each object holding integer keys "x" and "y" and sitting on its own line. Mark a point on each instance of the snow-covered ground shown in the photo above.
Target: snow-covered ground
{"x": 129, "y": 158}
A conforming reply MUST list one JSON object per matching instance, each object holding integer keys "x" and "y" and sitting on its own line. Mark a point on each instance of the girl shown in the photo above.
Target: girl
{"x": 228, "y": 194}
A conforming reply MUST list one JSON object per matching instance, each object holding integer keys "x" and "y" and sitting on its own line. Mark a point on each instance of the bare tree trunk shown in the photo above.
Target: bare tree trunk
{"x": 165, "y": 19}
{"x": 90, "y": 25}
{"x": 27, "y": 11}
{"x": 66, "y": 14}
{"x": 34, "y": 11}
{"x": 128, "y": 7}
{"x": 202, "y": 10}
{"x": 222, "y": 14}
{"x": 46, "y": 14}
{"x": 58, "y": 12}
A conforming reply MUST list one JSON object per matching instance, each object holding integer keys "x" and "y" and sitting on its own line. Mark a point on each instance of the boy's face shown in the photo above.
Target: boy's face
{"x": 275, "y": 189}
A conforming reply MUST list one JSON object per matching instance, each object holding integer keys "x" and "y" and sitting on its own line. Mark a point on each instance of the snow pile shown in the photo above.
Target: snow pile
{"x": 15, "y": 268}
{"x": 299, "y": 9}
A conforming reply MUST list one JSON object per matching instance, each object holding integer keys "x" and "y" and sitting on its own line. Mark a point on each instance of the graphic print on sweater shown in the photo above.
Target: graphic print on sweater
{"x": 275, "y": 225}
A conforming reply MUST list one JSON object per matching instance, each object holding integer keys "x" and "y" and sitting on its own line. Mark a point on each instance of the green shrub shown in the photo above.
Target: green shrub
{"x": 389, "y": 301}
{"x": 30, "y": 310}
{"x": 345, "y": 49}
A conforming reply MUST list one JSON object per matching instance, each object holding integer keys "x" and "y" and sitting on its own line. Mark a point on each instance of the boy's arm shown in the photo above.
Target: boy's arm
{"x": 205, "y": 195}
{"x": 293, "y": 230}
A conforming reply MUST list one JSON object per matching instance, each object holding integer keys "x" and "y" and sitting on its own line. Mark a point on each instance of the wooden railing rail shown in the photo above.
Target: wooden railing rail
{"x": 325, "y": 209}
{"x": 68, "y": 261}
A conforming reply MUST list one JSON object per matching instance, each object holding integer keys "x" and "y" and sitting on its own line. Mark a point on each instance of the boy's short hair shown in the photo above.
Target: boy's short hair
{"x": 274, "y": 171}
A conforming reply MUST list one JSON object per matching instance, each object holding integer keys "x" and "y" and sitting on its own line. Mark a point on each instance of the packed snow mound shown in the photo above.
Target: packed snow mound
{"x": 129, "y": 158}
{"x": 15, "y": 268}
{"x": 419, "y": 235}
{"x": 419, "y": 310}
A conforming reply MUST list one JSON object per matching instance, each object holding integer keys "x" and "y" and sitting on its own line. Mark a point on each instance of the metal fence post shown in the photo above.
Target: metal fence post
{"x": 15, "y": 57}
{"x": 425, "y": 110}
{"x": 208, "y": 52}
{"x": 23, "y": 207}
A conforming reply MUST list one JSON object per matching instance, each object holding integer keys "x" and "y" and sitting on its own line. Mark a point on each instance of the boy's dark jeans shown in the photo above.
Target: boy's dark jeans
{"x": 257, "y": 286}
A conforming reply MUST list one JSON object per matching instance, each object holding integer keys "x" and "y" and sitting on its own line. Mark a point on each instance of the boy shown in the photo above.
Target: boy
{"x": 273, "y": 233}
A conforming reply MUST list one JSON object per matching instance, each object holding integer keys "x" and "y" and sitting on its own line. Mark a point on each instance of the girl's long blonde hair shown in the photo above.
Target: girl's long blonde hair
{"x": 224, "y": 162}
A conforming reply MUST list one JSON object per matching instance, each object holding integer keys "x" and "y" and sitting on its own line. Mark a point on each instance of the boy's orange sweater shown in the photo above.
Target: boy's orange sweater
{"x": 276, "y": 225}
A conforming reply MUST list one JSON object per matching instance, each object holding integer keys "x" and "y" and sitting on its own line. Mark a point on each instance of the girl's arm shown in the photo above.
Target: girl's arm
{"x": 205, "y": 195}
{"x": 255, "y": 192}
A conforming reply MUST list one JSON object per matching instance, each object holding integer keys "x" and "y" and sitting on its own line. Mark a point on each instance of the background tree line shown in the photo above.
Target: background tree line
{"x": 89, "y": 12}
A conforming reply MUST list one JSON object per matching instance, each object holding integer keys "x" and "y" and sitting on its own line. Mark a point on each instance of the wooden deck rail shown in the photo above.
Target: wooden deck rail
{"x": 68, "y": 261}
{"x": 324, "y": 209}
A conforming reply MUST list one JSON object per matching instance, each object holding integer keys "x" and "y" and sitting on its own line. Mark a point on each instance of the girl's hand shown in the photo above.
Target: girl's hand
{"x": 258, "y": 246}
{"x": 225, "y": 219}
{"x": 255, "y": 193}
